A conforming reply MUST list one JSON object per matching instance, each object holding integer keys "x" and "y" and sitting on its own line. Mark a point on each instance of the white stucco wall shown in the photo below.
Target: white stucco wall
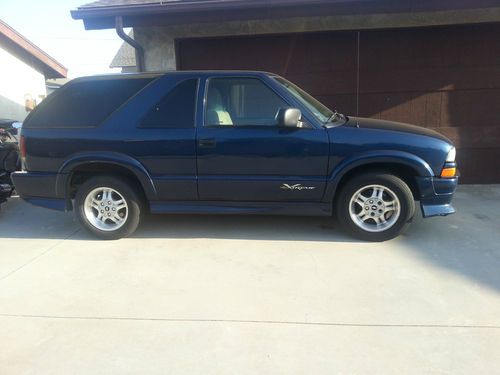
{"x": 18, "y": 81}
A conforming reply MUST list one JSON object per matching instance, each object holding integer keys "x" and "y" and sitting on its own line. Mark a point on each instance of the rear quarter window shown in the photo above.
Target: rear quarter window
{"x": 176, "y": 110}
{"x": 84, "y": 103}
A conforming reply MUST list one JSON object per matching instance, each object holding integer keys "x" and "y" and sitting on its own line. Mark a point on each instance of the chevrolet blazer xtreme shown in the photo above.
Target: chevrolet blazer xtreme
{"x": 226, "y": 142}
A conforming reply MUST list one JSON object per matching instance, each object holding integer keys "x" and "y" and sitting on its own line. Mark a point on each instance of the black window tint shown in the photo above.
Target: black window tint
{"x": 241, "y": 102}
{"x": 176, "y": 109}
{"x": 86, "y": 103}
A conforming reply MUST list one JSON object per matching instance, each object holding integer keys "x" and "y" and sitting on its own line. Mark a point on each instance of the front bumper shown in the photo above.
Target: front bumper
{"x": 436, "y": 195}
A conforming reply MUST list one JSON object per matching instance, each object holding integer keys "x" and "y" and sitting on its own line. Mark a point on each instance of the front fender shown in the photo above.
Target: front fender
{"x": 420, "y": 166}
{"x": 115, "y": 158}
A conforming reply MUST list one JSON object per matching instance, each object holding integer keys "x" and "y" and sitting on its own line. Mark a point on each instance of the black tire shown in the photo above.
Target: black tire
{"x": 126, "y": 190}
{"x": 385, "y": 179}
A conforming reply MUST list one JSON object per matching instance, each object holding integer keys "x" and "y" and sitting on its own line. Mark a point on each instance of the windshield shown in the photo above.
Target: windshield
{"x": 319, "y": 110}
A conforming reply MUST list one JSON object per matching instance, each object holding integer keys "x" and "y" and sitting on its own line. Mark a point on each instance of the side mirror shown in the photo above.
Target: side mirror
{"x": 289, "y": 117}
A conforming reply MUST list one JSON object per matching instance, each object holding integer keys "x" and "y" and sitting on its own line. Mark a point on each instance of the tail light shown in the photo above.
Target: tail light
{"x": 22, "y": 147}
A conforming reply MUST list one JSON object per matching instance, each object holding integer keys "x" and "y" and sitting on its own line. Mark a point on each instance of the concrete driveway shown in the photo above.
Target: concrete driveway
{"x": 260, "y": 295}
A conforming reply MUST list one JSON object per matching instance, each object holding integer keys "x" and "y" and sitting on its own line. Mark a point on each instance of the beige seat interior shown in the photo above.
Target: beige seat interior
{"x": 216, "y": 111}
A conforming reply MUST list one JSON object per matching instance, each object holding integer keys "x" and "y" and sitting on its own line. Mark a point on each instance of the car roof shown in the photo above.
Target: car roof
{"x": 153, "y": 75}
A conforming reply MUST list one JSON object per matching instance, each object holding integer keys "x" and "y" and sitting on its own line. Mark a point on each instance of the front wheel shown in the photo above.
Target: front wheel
{"x": 376, "y": 206}
{"x": 108, "y": 207}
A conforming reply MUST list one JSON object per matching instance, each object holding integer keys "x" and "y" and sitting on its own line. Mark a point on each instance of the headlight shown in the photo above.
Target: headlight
{"x": 451, "y": 155}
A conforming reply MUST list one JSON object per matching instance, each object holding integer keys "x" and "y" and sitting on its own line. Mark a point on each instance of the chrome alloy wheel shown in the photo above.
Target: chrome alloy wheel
{"x": 106, "y": 209}
{"x": 374, "y": 208}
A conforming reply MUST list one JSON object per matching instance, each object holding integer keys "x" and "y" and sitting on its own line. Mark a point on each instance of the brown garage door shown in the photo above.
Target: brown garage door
{"x": 445, "y": 78}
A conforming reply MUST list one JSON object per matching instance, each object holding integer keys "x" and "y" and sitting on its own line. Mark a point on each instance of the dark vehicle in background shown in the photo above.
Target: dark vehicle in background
{"x": 9, "y": 156}
{"x": 226, "y": 142}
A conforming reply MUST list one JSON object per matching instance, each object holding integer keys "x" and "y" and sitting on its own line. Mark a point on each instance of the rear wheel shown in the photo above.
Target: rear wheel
{"x": 376, "y": 206}
{"x": 108, "y": 207}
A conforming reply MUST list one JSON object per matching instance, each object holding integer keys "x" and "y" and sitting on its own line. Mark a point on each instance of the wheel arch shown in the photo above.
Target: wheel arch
{"x": 81, "y": 167}
{"x": 404, "y": 165}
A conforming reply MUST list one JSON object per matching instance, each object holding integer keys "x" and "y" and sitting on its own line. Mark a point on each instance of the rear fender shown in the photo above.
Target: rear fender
{"x": 112, "y": 158}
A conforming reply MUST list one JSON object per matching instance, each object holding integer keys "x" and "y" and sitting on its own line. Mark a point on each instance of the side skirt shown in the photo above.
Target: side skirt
{"x": 242, "y": 208}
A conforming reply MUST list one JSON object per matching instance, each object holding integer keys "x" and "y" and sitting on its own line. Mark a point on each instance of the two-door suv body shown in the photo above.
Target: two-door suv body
{"x": 225, "y": 142}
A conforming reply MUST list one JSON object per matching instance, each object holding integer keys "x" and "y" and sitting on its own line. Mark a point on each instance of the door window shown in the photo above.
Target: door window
{"x": 241, "y": 102}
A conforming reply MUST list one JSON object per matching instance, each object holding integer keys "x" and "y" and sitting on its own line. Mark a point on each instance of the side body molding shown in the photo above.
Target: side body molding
{"x": 420, "y": 166}
{"x": 106, "y": 157}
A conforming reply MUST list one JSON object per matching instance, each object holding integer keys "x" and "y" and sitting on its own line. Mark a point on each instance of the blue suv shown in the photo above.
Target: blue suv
{"x": 225, "y": 142}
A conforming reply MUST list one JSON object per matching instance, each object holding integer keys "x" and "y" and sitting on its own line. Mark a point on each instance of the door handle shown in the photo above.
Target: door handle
{"x": 207, "y": 143}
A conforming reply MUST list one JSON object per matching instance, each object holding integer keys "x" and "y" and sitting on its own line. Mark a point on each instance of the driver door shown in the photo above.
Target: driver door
{"x": 243, "y": 155}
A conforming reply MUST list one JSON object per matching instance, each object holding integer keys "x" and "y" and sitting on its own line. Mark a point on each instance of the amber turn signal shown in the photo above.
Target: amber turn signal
{"x": 448, "y": 172}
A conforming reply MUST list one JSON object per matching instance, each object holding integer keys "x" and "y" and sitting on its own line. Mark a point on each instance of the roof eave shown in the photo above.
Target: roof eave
{"x": 171, "y": 13}
{"x": 102, "y": 17}
{"x": 188, "y": 6}
{"x": 42, "y": 62}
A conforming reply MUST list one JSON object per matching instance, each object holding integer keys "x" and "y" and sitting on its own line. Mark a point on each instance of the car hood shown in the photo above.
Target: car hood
{"x": 368, "y": 123}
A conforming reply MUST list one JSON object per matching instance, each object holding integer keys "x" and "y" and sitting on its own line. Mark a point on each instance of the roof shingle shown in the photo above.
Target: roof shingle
{"x": 115, "y": 3}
